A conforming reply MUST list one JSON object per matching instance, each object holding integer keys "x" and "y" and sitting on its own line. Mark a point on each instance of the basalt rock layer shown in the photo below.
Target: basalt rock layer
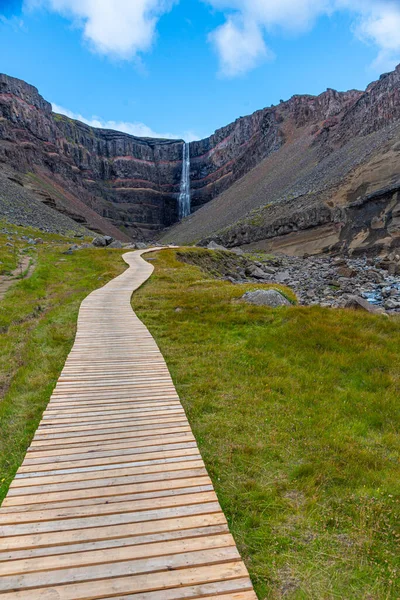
{"x": 232, "y": 151}
{"x": 130, "y": 183}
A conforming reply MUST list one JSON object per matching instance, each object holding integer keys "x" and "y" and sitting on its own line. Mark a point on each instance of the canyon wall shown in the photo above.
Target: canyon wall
{"x": 338, "y": 154}
{"x": 232, "y": 151}
{"x": 134, "y": 182}
{"x": 131, "y": 182}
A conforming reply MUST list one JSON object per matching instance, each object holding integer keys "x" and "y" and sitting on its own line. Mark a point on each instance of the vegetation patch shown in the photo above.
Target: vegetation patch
{"x": 297, "y": 416}
{"x": 218, "y": 263}
{"x": 223, "y": 264}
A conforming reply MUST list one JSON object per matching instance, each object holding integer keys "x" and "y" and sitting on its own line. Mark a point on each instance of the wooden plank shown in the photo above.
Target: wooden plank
{"x": 174, "y": 456}
{"x": 233, "y": 588}
{"x": 123, "y": 432}
{"x": 46, "y": 433}
{"x": 136, "y": 584}
{"x": 82, "y": 497}
{"x": 108, "y": 543}
{"x": 85, "y": 448}
{"x": 132, "y": 505}
{"x": 115, "y": 554}
{"x": 92, "y": 573}
{"x": 98, "y": 479}
{"x": 109, "y": 532}
{"x": 99, "y": 487}
{"x": 102, "y": 521}
{"x": 88, "y": 454}
{"x": 113, "y": 457}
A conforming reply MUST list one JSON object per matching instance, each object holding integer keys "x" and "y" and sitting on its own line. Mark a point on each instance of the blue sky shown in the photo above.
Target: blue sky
{"x": 183, "y": 68}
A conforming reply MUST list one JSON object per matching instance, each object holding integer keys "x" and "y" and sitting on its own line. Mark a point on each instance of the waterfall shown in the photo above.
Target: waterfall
{"x": 184, "y": 195}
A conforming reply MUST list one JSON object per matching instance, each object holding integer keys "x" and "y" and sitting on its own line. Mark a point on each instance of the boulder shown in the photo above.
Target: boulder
{"x": 358, "y": 303}
{"x": 108, "y": 239}
{"x": 391, "y": 304}
{"x": 269, "y": 270}
{"x": 346, "y": 272}
{"x": 339, "y": 261}
{"x": 214, "y": 246}
{"x": 271, "y": 298}
{"x": 99, "y": 242}
{"x": 282, "y": 276}
{"x": 141, "y": 245}
{"x": 253, "y": 271}
{"x": 394, "y": 268}
{"x": 116, "y": 244}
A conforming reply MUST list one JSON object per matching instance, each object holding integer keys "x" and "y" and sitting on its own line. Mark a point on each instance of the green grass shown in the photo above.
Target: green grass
{"x": 37, "y": 328}
{"x": 9, "y": 252}
{"x": 296, "y": 412}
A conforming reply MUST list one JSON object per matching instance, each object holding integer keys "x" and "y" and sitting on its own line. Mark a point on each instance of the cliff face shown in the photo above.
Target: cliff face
{"x": 132, "y": 182}
{"x": 231, "y": 152}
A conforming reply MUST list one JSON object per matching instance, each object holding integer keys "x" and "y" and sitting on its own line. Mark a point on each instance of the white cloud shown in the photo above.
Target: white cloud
{"x": 240, "y": 41}
{"x": 15, "y": 22}
{"x": 125, "y": 28}
{"x": 118, "y": 28}
{"x": 138, "y": 129}
{"x": 379, "y": 25}
{"x": 240, "y": 45}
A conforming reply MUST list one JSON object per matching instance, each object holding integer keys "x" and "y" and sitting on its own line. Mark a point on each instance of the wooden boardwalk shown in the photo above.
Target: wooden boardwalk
{"x": 113, "y": 499}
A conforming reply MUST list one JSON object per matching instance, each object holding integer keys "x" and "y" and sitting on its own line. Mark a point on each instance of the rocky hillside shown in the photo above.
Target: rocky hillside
{"x": 323, "y": 173}
{"x": 231, "y": 152}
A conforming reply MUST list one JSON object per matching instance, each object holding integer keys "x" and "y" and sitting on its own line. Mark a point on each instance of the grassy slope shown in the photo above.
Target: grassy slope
{"x": 296, "y": 413}
{"x": 37, "y": 329}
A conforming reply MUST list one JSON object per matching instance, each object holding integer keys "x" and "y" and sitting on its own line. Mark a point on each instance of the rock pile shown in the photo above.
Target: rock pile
{"x": 327, "y": 281}
{"x": 333, "y": 281}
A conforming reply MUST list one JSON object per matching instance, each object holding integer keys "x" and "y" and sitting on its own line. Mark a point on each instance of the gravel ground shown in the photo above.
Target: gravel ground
{"x": 19, "y": 207}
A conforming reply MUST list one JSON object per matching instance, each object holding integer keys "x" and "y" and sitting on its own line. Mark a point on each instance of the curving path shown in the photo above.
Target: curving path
{"x": 113, "y": 499}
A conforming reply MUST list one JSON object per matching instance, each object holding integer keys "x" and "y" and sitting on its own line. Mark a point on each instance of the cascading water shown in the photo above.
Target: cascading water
{"x": 184, "y": 195}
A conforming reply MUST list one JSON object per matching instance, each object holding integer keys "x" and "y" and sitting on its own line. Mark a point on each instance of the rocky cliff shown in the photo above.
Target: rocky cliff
{"x": 231, "y": 152}
{"x": 132, "y": 183}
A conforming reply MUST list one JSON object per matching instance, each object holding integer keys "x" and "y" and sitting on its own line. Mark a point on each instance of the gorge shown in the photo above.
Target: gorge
{"x": 310, "y": 164}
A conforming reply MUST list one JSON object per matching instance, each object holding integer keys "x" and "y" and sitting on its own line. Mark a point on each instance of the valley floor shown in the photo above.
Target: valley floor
{"x": 296, "y": 414}
{"x": 295, "y": 410}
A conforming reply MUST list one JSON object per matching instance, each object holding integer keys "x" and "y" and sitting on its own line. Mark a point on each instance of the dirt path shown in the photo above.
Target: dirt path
{"x": 6, "y": 281}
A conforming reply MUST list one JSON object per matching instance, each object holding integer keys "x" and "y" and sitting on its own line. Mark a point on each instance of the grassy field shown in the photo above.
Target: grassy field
{"x": 37, "y": 328}
{"x": 296, "y": 412}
